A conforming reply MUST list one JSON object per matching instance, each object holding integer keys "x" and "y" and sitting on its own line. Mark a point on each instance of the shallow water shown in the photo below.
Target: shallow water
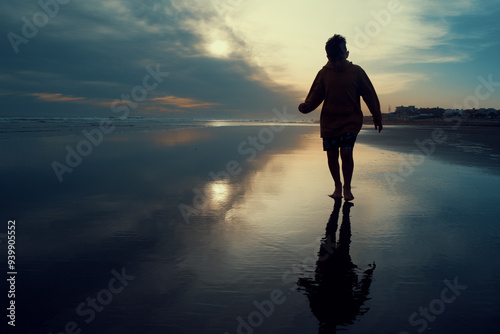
{"x": 244, "y": 257}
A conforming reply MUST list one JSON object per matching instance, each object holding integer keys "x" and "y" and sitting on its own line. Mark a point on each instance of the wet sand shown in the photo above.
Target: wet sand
{"x": 180, "y": 231}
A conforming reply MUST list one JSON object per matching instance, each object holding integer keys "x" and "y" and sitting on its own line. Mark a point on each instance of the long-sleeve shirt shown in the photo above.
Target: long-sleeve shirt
{"x": 340, "y": 90}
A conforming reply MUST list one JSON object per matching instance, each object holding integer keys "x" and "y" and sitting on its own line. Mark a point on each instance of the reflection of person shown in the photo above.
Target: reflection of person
{"x": 339, "y": 84}
{"x": 336, "y": 296}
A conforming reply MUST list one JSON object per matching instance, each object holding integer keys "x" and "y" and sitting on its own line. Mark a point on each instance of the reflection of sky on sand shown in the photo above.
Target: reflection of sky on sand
{"x": 218, "y": 192}
{"x": 292, "y": 185}
{"x": 279, "y": 190}
{"x": 419, "y": 232}
{"x": 120, "y": 208}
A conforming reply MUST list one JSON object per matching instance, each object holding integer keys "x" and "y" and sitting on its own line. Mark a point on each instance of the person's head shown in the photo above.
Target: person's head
{"x": 336, "y": 49}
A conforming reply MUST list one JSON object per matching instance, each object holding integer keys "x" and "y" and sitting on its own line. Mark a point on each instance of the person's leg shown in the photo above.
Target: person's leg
{"x": 333, "y": 165}
{"x": 347, "y": 170}
{"x": 347, "y": 141}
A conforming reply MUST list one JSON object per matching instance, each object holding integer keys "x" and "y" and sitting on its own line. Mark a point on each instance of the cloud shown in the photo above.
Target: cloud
{"x": 289, "y": 48}
{"x": 94, "y": 52}
{"x": 389, "y": 83}
{"x": 57, "y": 97}
{"x": 150, "y": 106}
{"x": 226, "y": 58}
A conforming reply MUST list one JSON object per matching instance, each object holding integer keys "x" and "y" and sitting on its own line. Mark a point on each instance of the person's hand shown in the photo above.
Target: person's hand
{"x": 303, "y": 108}
{"x": 378, "y": 126}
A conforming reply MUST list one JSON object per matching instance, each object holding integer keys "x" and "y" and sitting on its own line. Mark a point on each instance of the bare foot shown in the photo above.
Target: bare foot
{"x": 337, "y": 194}
{"x": 348, "y": 194}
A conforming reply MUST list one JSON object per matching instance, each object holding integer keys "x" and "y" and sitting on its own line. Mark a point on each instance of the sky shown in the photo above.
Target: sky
{"x": 239, "y": 59}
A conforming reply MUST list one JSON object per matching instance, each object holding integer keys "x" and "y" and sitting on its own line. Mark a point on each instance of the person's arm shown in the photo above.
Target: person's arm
{"x": 316, "y": 95}
{"x": 370, "y": 97}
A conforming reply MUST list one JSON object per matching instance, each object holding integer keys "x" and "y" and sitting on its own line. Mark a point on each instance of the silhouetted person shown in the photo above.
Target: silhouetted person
{"x": 339, "y": 85}
{"x": 336, "y": 295}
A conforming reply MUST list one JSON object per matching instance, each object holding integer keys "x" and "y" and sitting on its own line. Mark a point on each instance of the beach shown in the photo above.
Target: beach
{"x": 228, "y": 228}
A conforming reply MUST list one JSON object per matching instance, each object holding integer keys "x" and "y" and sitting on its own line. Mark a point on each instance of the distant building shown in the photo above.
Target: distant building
{"x": 410, "y": 113}
{"x": 434, "y": 112}
{"x": 402, "y": 110}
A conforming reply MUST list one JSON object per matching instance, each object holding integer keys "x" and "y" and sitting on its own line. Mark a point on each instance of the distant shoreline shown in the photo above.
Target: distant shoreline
{"x": 438, "y": 121}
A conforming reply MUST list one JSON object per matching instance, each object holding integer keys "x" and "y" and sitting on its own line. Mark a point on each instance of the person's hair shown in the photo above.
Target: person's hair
{"x": 336, "y": 46}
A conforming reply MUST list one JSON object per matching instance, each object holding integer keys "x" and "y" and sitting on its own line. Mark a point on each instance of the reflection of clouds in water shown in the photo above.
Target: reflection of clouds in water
{"x": 179, "y": 137}
{"x": 121, "y": 208}
{"x": 301, "y": 176}
{"x": 280, "y": 177}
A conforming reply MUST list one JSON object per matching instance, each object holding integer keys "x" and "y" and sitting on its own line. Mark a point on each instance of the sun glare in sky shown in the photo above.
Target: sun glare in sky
{"x": 219, "y": 48}
{"x": 403, "y": 46}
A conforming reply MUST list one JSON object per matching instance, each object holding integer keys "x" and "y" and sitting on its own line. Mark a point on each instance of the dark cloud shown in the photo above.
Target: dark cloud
{"x": 98, "y": 51}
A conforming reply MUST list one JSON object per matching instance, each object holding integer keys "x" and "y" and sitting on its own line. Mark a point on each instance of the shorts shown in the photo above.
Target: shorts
{"x": 345, "y": 141}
